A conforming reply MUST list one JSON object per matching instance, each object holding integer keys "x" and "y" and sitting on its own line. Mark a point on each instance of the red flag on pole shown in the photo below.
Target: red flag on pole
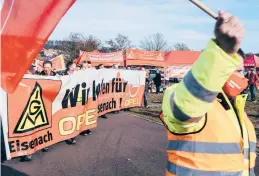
{"x": 25, "y": 28}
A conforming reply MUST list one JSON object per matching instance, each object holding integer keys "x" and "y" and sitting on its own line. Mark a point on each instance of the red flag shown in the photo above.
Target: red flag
{"x": 78, "y": 60}
{"x": 25, "y": 28}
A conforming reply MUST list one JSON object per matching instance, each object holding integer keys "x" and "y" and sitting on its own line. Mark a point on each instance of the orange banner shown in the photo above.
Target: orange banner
{"x": 107, "y": 59}
{"x": 25, "y": 28}
{"x": 53, "y": 109}
{"x": 58, "y": 63}
{"x": 144, "y": 57}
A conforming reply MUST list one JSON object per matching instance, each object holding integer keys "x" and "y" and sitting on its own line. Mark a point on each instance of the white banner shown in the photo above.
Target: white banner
{"x": 45, "y": 110}
{"x": 176, "y": 71}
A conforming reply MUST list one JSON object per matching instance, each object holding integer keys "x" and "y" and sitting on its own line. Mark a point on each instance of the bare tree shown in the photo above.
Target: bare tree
{"x": 155, "y": 42}
{"x": 181, "y": 47}
{"x": 120, "y": 42}
{"x": 74, "y": 42}
{"x": 91, "y": 43}
{"x": 70, "y": 45}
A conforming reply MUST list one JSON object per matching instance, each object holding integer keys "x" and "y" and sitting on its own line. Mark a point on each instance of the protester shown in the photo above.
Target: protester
{"x": 246, "y": 90}
{"x": 71, "y": 67}
{"x": 33, "y": 70}
{"x": 146, "y": 89}
{"x": 78, "y": 67}
{"x": 86, "y": 132}
{"x": 101, "y": 66}
{"x": 26, "y": 158}
{"x": 47, "y": 69}
{"x": 115, "y": 67}
{"x": 3, "y": 152}
{"x": 84, "y": 65}
{"x": 252, "y": 80}
{"x": 127, "y": 68}
{"x": 209, "y": 135}
{"x": 157, "y": 81}
{"x": 89, "y": 64}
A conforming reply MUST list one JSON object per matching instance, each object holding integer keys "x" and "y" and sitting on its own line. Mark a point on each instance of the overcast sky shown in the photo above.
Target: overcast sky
{"x": 178, "y": 20}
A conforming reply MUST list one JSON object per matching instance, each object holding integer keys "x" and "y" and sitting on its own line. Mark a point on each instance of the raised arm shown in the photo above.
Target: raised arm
{"x": 185, "y": 105}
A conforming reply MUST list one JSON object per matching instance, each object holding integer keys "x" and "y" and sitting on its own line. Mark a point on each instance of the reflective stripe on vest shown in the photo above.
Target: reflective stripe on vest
{"x": 179, "y": 170}
{"x": 215, "y": 150}
{"x": 204, "y": 147}
{"x": 252, "y": 171}
{"x": 197, "y": 90}
{"x": 252, "y": 144}
{"x": 252, "y": 150}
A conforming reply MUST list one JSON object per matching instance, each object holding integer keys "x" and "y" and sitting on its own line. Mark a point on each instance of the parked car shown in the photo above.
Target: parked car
{"x": 152, "y": 74}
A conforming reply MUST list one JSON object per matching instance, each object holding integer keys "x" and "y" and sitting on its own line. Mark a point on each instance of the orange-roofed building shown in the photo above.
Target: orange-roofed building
{"x": 181, "y": 57}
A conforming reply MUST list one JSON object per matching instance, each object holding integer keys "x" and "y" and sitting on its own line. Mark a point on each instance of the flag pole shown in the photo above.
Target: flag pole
{"x": 210, "y": 13}
{"x": 204, "y": 8}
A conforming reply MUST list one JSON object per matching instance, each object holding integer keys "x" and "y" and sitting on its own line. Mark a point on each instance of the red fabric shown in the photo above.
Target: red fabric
{"x": 249, "y": 61}
{"x": 253, "y": 78}
{"x": 26, "y": 26}
{"x": 252, "y": 60}
{"x": 181, "y": 57}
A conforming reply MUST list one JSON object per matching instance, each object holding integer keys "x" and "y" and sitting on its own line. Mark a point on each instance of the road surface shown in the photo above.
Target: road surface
{"x": 122, "y": 145}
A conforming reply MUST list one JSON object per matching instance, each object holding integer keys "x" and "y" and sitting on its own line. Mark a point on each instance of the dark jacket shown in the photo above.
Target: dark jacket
{"x": 44, "y": 74}
{"x": 65, "y": 73}
{"x": 147, "y": 85}
{"x": 252, "y": 78}
{"x": 157, "y": 79}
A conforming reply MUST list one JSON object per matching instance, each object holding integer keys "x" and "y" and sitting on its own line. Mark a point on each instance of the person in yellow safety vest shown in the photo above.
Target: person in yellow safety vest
{"x": 209, "y": 134}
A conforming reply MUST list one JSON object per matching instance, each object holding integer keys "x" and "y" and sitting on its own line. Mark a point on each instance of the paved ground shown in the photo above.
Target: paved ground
{"x": 121, "y": 146}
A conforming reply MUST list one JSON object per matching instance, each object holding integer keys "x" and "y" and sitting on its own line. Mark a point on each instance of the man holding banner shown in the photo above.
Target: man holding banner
{"x": 60, "y": 108}
{"x": 47, "y": 69}
{"x": 71, "y": 67}
{"x": 86, "y": 65}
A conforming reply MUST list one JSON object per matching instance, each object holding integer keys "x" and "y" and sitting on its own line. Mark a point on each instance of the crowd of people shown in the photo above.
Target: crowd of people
{"x": 71, "y": 67}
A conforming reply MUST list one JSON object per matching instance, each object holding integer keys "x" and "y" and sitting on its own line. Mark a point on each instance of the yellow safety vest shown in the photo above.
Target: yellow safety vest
{"x": 216, "y": 149}
{"x": 208, "y": 136}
